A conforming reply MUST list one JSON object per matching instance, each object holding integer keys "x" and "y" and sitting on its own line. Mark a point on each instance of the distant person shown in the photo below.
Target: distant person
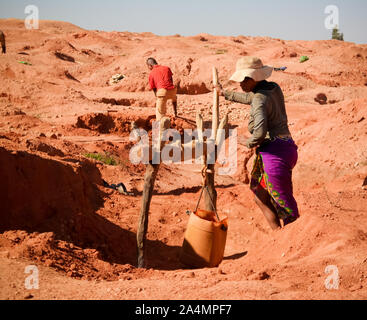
{"x": 276, "y": 152}
{"x": 2, "y": 41}
{"x": 160, "y": 81}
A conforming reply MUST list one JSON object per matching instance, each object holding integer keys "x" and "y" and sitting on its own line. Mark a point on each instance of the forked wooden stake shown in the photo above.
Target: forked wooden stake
{"x": 149, "y": 180}
{"x": 215, "y": 111}
{"x": 212, "y": 196}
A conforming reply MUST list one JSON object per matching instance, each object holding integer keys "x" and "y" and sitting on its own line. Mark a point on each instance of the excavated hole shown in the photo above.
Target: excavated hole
{"x": 116, "y": 102}
{"x": 64, "y": 226}
{"x": 192, "y": 88}
{"x": 121, "y": 124}
{"x": 112, "y": 123}
{"x": 64, "y": 56}
{"x": 61, "y": 227}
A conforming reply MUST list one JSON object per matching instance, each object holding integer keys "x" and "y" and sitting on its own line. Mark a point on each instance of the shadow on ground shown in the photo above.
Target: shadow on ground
{"x": 40, "y": 195}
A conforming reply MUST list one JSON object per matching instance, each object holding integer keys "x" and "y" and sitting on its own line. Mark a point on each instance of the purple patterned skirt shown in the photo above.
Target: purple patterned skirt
{"x": 272, "y": 171}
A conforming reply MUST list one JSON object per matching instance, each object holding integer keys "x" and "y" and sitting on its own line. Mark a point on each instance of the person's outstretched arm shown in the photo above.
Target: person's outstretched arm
{"x": 240, "y": 97}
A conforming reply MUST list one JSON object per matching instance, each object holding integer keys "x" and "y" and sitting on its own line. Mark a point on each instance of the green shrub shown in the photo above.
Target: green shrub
{"x": 337, "y": 35}
{"x": 106, "y": 158}
{"x": 304, "y": 59}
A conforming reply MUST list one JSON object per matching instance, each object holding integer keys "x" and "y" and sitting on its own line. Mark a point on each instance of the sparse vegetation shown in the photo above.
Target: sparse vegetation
{"x": 221, "y": 51}
{"x": 105, "y": 158}
{"x": 337, "y": 35}
{"x": 304, "y": 59}
{"x": 238, "y": 41}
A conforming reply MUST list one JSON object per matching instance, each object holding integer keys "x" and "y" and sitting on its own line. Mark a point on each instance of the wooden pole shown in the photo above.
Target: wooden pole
{"x": 150, "y": 176}
{"x": 221, "y": 132}
{"x": 149, "y": 180}
{"x": 210, "y": 199}
{"x": 215, "y": 110}
{"x": 200, "y": 128}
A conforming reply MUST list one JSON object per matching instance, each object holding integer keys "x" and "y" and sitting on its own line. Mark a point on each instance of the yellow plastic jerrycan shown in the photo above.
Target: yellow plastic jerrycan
{"x": 205, "y": 240}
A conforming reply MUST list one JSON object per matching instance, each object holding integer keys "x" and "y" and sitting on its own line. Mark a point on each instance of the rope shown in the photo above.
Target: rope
{"x": 204, "y": 172}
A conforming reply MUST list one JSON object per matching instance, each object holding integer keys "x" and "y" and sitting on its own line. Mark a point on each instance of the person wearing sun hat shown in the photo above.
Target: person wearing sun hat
{"x": 251, "y": 67}
{"x": 276, "y": 152}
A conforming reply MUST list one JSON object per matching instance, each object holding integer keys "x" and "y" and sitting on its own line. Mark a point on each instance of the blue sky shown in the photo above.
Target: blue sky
{"x": 285, "y": 19}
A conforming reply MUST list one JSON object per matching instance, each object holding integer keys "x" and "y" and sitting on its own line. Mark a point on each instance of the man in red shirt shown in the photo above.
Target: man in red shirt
{"x": 160, "y": 80}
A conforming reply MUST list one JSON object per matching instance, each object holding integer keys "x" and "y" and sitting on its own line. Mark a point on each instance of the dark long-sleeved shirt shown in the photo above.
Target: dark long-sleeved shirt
{"x": 268, "y": 117}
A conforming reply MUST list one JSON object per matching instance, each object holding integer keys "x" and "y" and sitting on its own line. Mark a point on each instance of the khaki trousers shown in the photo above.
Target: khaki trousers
{"x": 161, "y": 103}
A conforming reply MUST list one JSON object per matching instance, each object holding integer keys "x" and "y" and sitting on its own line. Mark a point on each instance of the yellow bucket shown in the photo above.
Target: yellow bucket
{"x": 205, "y": 240}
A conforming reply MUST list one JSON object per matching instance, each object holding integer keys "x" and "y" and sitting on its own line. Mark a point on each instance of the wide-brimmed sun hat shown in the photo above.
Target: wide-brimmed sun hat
{"x": 251, "y": 67}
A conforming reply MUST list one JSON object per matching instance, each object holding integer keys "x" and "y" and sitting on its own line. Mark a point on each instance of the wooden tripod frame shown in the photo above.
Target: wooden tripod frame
{"x": 210, "y": 197}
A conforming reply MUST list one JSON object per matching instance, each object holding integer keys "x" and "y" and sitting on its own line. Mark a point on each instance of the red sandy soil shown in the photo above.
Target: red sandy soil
{"x": 56, "y": 213}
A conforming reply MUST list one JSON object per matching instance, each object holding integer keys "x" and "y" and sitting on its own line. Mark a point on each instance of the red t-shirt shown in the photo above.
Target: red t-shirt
{"x": 161, "y": 78}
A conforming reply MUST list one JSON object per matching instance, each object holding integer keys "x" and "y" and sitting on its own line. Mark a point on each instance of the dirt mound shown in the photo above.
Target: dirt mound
{"x": 60, "y": 226}
{"x": 56, "y": 212}
{"x": 59, "y": 188}
{"x": 60, "y": 255}
{"x": 36, "y": 145}
{"x": 62, "y": 49}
